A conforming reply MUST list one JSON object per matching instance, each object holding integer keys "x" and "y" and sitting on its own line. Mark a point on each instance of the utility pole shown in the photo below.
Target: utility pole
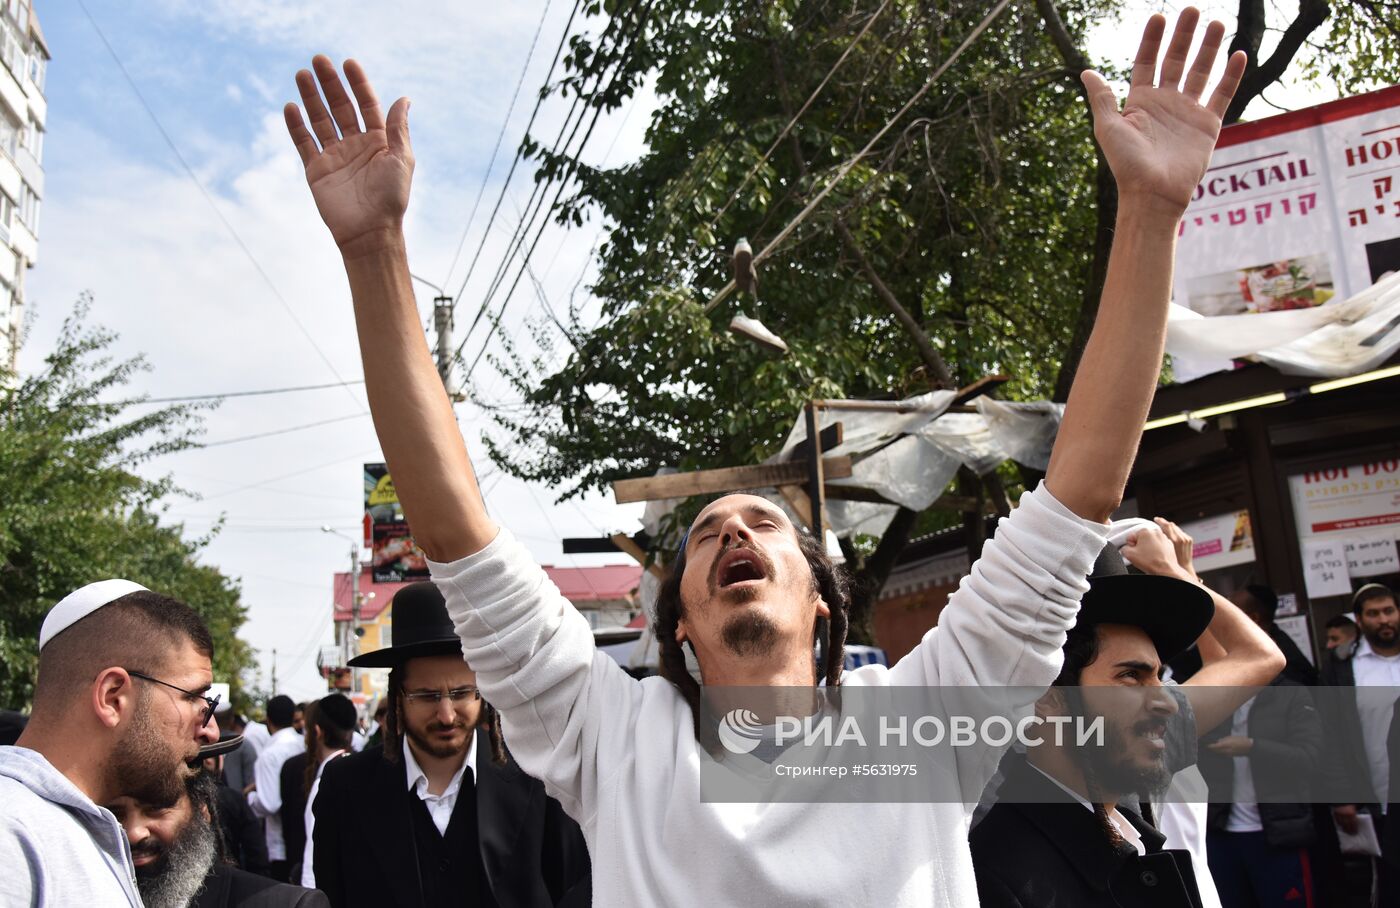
{"x": 442, "y": 326}
{"x": 354, "y": 637}
{"x": 442, "y": 344}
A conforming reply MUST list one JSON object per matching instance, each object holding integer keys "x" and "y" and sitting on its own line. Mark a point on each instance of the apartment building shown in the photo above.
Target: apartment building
{"x": 24, "y": 61}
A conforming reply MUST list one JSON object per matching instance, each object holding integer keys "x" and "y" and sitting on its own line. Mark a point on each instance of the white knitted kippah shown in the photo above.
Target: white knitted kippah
{"x": 80, "y": 603}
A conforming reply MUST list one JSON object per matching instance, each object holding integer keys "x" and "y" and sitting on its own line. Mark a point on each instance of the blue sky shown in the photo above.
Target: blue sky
{"x": 123, "y": 220}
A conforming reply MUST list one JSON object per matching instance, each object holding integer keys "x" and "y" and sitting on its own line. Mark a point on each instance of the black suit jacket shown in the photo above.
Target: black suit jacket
{"x": 1055, "y": 855}
{"x": 1288, "y": 741}
{"x": 363, "y": 845}
{"x": 229, "y": 887}
{"x": 292, "y": 781}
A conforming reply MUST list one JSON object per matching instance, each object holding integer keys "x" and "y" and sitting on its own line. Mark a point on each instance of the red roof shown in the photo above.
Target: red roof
{"x": 578, "y": 584}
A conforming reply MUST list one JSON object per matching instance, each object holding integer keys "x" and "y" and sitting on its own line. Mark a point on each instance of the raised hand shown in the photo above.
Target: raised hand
{"x": 1159, "y": 145}
{"x": 359, "y": 178}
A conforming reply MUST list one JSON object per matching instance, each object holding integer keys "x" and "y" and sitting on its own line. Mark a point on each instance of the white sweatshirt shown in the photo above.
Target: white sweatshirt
{"x": 620, "y": 755}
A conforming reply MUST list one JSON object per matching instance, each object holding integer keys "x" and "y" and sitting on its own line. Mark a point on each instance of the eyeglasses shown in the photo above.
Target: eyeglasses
{"x": 211, "y": 703}
{"x": 434, "y": 697}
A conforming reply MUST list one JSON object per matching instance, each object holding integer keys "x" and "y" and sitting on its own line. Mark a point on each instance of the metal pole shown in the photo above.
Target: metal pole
{"x": 816, "y": 482}
{"x": 354, "y": 613}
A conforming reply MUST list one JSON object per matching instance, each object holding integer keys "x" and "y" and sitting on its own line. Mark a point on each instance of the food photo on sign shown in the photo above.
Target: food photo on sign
{"x": 395, "y": 558}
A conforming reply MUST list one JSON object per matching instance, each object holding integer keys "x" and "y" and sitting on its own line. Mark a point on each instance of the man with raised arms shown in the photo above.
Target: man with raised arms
{"x": 750, "y": 591}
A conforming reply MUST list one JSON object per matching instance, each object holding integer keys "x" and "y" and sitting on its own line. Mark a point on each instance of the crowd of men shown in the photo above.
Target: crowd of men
{"x": 512, "y": 764}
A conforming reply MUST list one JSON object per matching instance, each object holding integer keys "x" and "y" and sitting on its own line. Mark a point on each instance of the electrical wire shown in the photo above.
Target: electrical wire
{"x": 495, "y": 209}
{"x": 218, "y": 212}
{"x": 227, "y": 394}
{"x": 541, "y": 188}
{"x": 500, "y": 137}
{"x": 845, "y": 168}
{"x": 289, "y": 429}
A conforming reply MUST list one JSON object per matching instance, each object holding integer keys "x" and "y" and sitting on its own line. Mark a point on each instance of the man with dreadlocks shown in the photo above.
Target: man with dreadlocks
{"x": 439, "y": 815}
{"x": 748, "y": 592}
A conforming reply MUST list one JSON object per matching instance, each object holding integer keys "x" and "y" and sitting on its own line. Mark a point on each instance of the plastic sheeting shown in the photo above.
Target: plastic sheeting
{"x": 908, "y": 451}
{"x": 1336, "y": 339}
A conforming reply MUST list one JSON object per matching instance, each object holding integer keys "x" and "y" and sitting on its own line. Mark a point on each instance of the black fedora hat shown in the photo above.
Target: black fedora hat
{"x": 228, "y": 742}
{"x": 1171, "y": 611}
{"x": 420, "y": 627}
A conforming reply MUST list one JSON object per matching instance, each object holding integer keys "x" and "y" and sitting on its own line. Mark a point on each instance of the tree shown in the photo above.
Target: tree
{"x": 972, "y": 240}
{"x": 76, "y": 510}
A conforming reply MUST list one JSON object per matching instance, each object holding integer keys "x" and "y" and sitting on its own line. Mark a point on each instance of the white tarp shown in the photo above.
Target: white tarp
{"x": 1297, "y": 212}
{"x": 1339, "y": 338}
{"x": 908, "y": 451}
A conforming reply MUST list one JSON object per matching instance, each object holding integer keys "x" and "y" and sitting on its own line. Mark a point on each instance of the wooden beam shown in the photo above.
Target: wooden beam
{"x": 978, "y": 388}
{"x": 797, "y": 499}
{"x": 626, "y": 544}
{"x": 725, "y": 479}
{"x": 602, "y": 545}
{"x": 831, "y": 436}
{"x": 816, "y": 480}
{"x": 945, "y": 502}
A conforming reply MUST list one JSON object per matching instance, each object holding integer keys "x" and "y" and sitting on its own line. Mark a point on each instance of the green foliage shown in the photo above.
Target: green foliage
{"x": 975, "y": 210}
{"x": 76, "y": 510}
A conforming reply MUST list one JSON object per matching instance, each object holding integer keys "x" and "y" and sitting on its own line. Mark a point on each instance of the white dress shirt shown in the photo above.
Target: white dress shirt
{"x": 266, "y": 800}
{"x": 439, "y": 806}
{"x": 308, "y": 872}
{"x": 1375, "y": 708}
{"x": 1125, "y": 829}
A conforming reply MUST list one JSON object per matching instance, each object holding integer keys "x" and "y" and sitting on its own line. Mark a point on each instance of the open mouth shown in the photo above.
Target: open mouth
{"x": 740, "y": 566}
{"x": 1155, "y": 733}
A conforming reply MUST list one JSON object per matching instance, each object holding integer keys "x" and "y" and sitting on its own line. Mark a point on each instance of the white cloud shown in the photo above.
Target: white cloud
{"x": 168, "y": 277}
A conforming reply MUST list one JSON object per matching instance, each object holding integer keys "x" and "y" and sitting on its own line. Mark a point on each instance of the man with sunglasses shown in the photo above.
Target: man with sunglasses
{"x": 121, "y": 707}
{"x": 439, "y": 814}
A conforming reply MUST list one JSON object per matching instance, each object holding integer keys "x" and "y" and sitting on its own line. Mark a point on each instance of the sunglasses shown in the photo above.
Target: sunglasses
{"x": 210, "y": 703}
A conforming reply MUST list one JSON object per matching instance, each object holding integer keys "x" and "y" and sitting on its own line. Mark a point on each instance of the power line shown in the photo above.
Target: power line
{"x": 541, "y": 187}
{"x": 851, "y": 162}
{"x": 263, "y": 483}
{"x": 486, "y": 232}
{"x": 289, "y": 429}
{"x": 495, "y": 322}
{"x": 510, "y": 109}
{"x": 714, "y": 222}
{"x": 259, "y": 393}
{"x": 189, "y": 171}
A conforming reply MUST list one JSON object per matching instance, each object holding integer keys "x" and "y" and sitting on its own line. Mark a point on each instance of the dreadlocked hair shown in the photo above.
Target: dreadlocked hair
{"x": 829, "y": 581}
{"x": 393, "y": 732}
{"x": 1080, "y": 649}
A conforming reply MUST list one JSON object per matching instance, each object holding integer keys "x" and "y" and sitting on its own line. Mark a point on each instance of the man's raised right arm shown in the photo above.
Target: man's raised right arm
{"x": 360, "y": 179}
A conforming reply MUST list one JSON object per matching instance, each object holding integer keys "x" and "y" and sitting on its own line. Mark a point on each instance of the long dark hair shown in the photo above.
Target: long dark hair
{"x": 1081, "y": 649}
{"x": 829, "y": 581}
{"x": 393, "y": 733}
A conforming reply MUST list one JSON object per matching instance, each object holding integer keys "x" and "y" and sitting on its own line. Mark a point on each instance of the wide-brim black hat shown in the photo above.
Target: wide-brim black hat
{"x": 1172, "y": 612}
{"x": 228, "y": 742}
{"x": 420, "y": 627}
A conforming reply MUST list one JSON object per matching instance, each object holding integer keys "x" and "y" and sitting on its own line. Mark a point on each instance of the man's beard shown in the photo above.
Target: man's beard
{"x": 750, "y": 633}
{"x": 1375, "y": 638}
{"x": 1110, "y": 771}
{"x": 141, "y": 766}
{"x": 435, "y": 747}
{"x": 175, "y": 878}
